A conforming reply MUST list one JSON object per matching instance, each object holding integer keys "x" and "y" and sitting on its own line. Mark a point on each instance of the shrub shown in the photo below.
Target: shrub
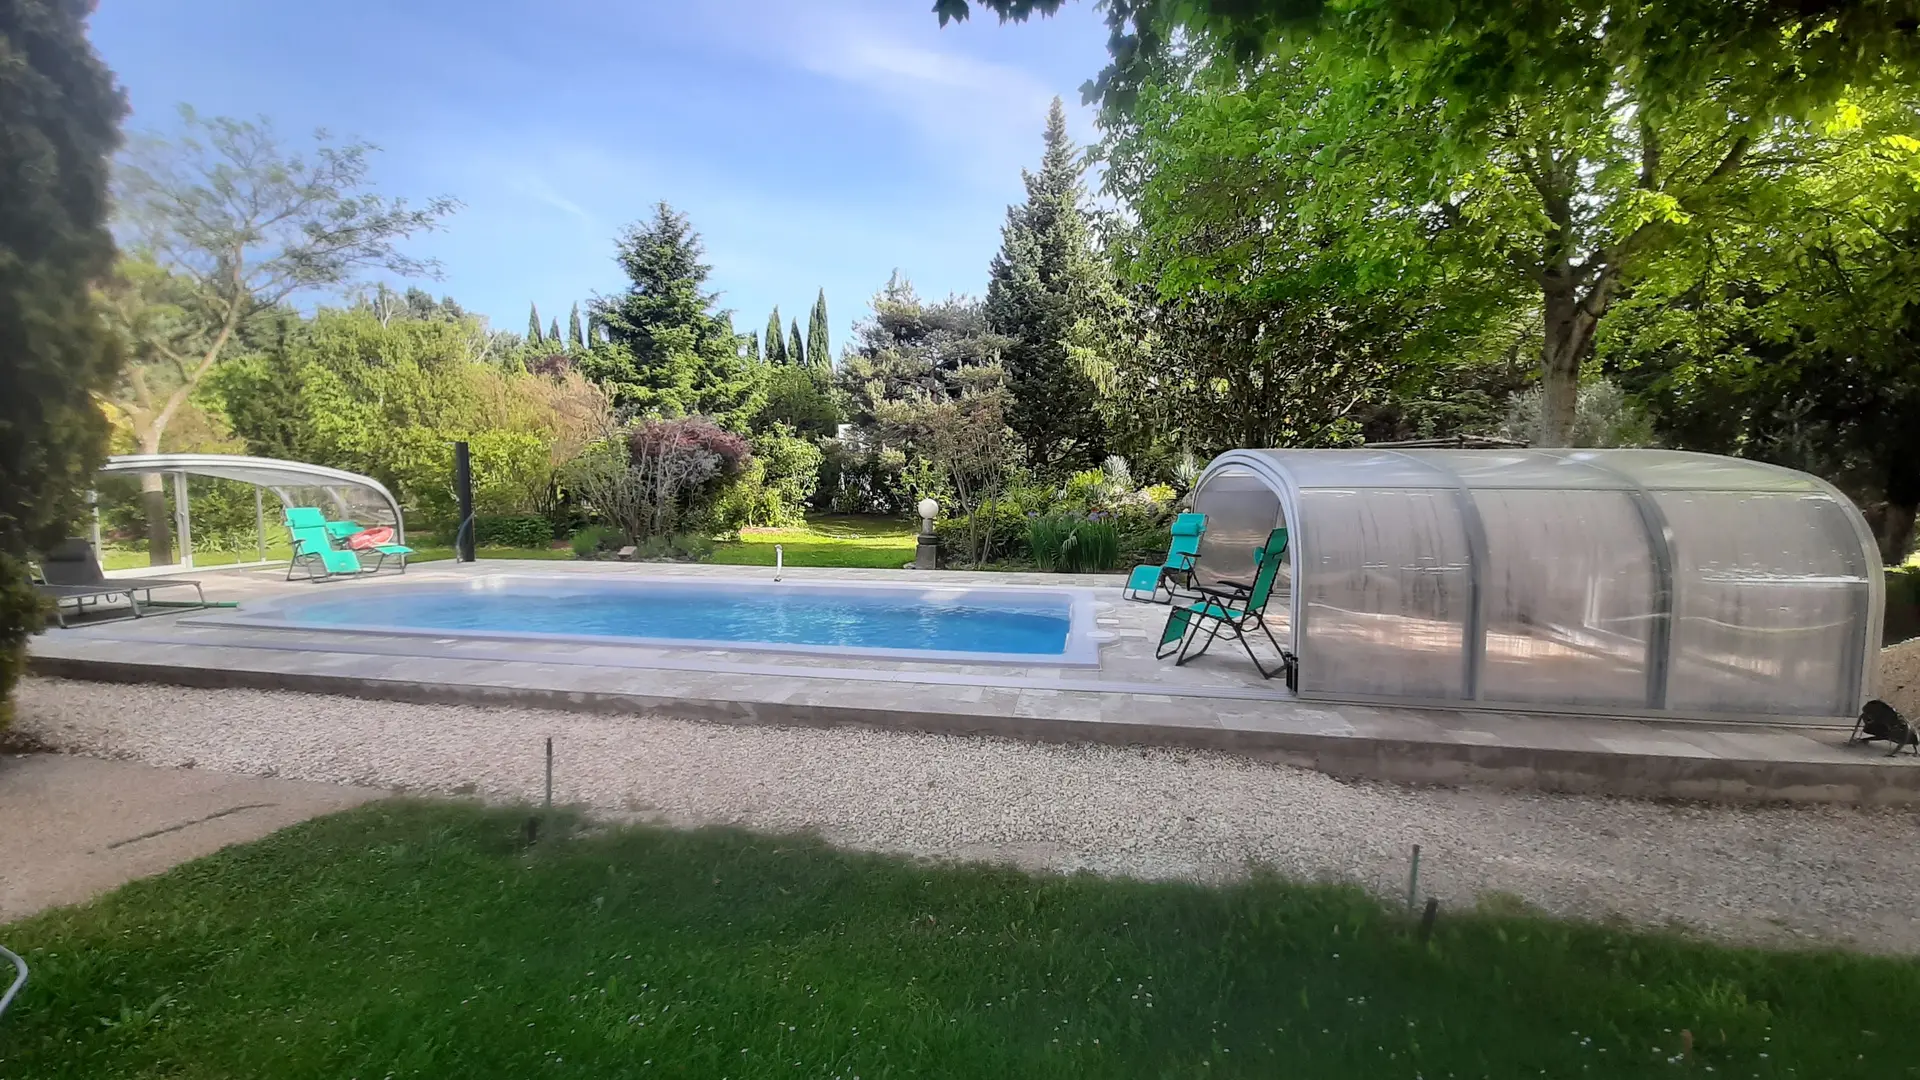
{"x": 1073, "y": 544}
{"x": 595, "y": 539}
{"x": 998, "y": 531}
{"x": 776, "y": 485}
{"x": 512, "y": 530}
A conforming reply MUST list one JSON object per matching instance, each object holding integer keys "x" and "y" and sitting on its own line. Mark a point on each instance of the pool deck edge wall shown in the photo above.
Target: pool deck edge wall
{"x": 1604, "y": 757}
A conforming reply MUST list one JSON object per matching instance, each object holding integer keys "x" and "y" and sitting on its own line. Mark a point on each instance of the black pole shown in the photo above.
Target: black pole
{"x": 463, "y": 490}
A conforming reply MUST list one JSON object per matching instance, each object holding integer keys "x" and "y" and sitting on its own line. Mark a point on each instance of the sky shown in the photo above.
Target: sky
{"x": 816, "y": 144}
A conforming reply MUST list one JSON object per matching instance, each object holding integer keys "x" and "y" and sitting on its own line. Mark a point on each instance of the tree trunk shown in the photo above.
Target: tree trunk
{"x": 1560, "y": 348}
{"x": 153, "y": 500}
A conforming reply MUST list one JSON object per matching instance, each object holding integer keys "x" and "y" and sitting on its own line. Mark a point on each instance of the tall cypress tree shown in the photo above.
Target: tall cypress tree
{"x": 575, "y": 339}
{"x": 774, "y": 342}
{"x": 553, "y": 333}
{"x": 819, "y": 354}
{"x": 1044, "y": 269}
{"x": 753, "y": 346}
{"x": 796, "y": 348}
{"x": 533, "y": 324}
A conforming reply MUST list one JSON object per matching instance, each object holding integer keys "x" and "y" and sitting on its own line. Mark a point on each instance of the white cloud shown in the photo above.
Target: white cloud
{"x": 980, "y": 117}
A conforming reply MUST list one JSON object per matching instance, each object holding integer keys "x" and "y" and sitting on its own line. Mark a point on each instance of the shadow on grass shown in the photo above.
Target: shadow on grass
{"x": 419, "y": 938}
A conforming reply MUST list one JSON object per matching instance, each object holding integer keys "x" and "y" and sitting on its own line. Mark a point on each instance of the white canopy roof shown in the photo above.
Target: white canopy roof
{"x": 274, "y": 474}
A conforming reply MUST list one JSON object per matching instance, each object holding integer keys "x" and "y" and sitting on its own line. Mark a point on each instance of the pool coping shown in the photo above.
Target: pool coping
{"x": 1081, "y": 649}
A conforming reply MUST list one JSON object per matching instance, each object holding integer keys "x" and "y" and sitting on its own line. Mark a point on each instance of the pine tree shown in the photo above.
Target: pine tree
{"x": 774, "y": 341}
{"x": 668, "y": 351}
{"x": 796, "y": 348}
{"x": 1041, "y": 276}
{"x": 819, "y": 355}
{"x": 533, "y": 324}
{"x": 753, "y": 346}
{"x": 575, "y": 339}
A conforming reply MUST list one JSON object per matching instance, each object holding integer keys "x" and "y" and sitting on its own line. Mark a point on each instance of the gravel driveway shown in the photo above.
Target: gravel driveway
{"x": 1784, "y": 875}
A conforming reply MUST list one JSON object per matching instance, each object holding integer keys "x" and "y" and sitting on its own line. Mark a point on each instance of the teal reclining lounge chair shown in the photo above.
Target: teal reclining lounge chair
{"x": 1232, "y": 609}
{"x": 1175, "y": 569}
{"x": 343, "y": 530}
{"x": 314, "y": 549}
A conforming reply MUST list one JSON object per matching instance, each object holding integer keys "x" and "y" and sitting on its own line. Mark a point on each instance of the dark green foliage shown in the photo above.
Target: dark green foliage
{"x": 1073, "y": 543}
{"x": 60, "y": 113}
{"x": 819, "y": 350}
{"x": 669, "y": 353}
{"x": 775, "y": 342}
{"x": 576, "y": 339}
{"x": 1036, "y": 293}
{"x": 796, "y": 348}
{"x": 430, "y": 940}
{"x": 513, "y": 531}
{"x": 594, "y": 539}
{"x": 534, "y": 336}
{"x": 753, "y": 346}
{"x": 798, "y": 398}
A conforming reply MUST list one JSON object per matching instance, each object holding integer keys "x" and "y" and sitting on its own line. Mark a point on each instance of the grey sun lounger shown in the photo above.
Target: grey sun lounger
{"x": 70, "y": 572}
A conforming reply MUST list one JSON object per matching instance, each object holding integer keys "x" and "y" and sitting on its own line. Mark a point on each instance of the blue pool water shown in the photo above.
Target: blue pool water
{"x": 956, "y": 623}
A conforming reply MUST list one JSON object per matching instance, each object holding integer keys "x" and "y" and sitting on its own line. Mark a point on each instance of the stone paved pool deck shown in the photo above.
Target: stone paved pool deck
{"x": 1217, "y": 702}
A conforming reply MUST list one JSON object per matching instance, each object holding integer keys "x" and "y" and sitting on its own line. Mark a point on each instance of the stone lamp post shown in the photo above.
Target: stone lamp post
{"x": 926, "y": 552}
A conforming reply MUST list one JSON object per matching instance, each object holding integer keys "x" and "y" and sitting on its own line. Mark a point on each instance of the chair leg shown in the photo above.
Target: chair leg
{"x": 1193, "y": 633}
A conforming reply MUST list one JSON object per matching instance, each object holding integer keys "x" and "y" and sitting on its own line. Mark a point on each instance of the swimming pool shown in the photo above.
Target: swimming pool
{"x": 1025, "y": 625}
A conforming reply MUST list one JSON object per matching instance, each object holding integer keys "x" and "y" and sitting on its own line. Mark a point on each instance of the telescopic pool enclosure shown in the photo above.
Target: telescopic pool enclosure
{"x": 1607, "y": 582}
{"x": 347, "y": 495}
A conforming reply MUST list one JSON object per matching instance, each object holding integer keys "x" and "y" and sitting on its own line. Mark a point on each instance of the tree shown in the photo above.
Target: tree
{"x": 819, "y": 351}
{"x": 575, "y": 339}
{"x": 553, "y": 334}
{"x": 796, "y": 348}
{"x": 1568, "y": 146}
{"x": 753, "y": 346}
{"x": 238, "y": 225}
{"x": 1801, "y": 345}
{"x": 1036, "y": 292}
{"x": 535, "y": 337}
{"x": 912, "y": 350}
{"x": 669, "y": 352}
{"x": 60, "y": 110}
{"x": 775, "y": 340}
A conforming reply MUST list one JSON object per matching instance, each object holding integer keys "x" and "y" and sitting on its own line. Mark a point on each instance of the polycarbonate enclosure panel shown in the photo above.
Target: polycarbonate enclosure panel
{"x": 1360, "y": 469}
{"x": 1385, "y": 583}
{"x": 1771, "y": 594}
{"x": 1241, "y": 510}
{"x": 1568, "y": 592}
{"x": 1524, "y": 469}
{"x": 1674, "y": 470}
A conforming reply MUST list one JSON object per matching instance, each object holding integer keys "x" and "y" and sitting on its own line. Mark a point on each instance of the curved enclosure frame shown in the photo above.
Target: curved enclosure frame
{"x": 1606, "y": 582}
{"x": 346, "y": 495}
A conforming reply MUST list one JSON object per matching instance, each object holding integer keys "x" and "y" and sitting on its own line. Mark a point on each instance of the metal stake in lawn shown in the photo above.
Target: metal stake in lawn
{"x": 1413, "y": 879}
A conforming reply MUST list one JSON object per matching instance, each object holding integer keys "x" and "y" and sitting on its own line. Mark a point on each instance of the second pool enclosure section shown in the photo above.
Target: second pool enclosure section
{"x": 1607, "y": 582}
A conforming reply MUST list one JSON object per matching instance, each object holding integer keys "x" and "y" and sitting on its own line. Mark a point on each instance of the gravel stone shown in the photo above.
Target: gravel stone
{"x": 1785, "y": 875}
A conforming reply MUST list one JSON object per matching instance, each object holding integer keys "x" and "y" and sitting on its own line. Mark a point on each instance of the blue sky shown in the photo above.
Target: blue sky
{"x": 813, "y": 144}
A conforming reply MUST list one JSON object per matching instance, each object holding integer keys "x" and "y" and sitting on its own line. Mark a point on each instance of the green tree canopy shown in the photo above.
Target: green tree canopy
{"x": 1038, "y": 289}
{"x": 237, "y": 224}
{"x": 535, "y": 336}
{"x": 60, "y": 110}
{"x": 576, "y": 339}
{"x": 796, "y": 348}
{"x": 1566, "y": 147}
{"x": 669, "y": 352}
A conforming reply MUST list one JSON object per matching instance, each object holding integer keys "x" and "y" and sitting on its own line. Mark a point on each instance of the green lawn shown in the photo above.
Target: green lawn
{"x": 826, "y": 540}
{"x": 412, "y": 939}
